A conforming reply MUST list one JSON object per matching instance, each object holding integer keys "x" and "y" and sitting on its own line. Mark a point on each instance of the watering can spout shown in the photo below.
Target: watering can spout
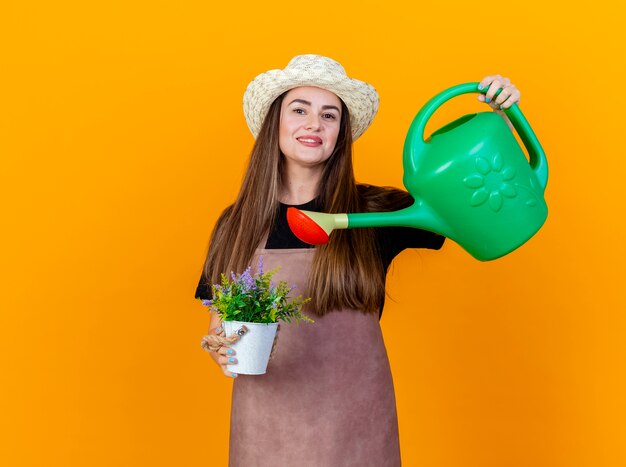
{"x": 418, "y": 215}
{"x": 315, "y": 227}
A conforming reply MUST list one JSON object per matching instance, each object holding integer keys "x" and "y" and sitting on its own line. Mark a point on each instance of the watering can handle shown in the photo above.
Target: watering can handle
{"x": 415, "y": 135}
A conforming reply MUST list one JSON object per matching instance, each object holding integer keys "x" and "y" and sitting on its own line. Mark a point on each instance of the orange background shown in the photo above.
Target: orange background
{"x": 121, "y": 139}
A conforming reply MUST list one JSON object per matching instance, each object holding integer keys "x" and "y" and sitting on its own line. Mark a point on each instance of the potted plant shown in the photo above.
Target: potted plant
{"x": 251, "y": 306}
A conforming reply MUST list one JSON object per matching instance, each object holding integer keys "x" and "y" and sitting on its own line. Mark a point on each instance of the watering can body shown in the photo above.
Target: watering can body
{"x": 475, "y": 186}
{"x": 470, "y": 180}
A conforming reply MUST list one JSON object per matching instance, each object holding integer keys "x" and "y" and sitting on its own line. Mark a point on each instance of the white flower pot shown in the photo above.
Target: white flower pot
{"x": 253, "y": 348}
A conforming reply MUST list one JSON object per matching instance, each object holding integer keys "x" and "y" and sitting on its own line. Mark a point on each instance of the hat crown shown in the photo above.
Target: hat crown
{"x": 311, "y": 63}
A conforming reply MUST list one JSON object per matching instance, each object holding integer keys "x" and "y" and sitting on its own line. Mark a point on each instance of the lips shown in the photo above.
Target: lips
{"x": 310, "y": 140}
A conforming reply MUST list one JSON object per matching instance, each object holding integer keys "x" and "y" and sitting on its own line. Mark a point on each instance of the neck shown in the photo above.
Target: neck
{"x": 300, "y": 184}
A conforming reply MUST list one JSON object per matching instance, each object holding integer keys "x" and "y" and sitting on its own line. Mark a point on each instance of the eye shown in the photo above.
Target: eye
{"x": 330, "y": 116}
{"x": 299, "y": 111}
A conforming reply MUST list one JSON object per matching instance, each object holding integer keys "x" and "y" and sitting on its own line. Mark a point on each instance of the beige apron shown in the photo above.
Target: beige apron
{"x": 327, "y": 399}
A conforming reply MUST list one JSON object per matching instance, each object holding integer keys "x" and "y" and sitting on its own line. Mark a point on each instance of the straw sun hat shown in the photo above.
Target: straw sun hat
{"x": 311, "y": 70}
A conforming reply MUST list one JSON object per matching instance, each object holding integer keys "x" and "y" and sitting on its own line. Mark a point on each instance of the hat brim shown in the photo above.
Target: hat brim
{"x": 360, "y": 98}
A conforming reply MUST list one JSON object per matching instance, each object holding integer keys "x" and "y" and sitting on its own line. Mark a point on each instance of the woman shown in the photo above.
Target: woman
{"x": 327, "y": 397}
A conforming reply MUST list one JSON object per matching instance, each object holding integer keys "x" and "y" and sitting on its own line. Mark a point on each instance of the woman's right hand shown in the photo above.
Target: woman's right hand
{"x": 225, "y": 355}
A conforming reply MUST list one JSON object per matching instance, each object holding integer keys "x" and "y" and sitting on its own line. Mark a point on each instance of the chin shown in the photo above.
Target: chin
{"x": 307, "y": 160}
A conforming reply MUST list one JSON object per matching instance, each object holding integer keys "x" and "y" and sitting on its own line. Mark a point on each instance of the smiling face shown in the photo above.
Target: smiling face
{"x": 309, "y": 125}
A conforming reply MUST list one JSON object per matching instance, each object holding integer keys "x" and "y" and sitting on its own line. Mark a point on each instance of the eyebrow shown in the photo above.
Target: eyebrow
{"x": 324, "y": 107}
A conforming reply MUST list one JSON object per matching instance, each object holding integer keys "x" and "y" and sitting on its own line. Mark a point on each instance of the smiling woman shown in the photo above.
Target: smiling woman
{"x": 309, "y": 127}
{"x": 327, "y": 397}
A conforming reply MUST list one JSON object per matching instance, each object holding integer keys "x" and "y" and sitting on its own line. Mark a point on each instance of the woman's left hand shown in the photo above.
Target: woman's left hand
{"x": 507, "y": 97}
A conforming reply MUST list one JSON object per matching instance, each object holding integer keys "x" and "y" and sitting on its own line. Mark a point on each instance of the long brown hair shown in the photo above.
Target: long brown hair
{"x": 347, "y": 271}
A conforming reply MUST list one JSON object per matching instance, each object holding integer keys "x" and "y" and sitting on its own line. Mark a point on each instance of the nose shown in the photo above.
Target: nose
{"x": 313, "y": 122}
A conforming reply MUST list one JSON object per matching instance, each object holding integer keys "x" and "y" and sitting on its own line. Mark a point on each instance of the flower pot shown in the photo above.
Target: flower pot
{"x": 253, "y": 348}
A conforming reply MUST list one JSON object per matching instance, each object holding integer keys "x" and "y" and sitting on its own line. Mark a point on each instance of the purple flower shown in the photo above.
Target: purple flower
{"x": 246, "y": 280}
{"x": 250, "y": 294}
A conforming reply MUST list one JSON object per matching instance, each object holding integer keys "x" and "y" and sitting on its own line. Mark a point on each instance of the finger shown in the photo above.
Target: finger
{"x": 481, "y": 98}
{"x": 505, "y": 104}
{"x": 504, "y": 95}
{"x": 497, "y": 83}
{"x": 493, "y": 88}
{"x": 492, "y": 104}
{"x": 227, "y": 351}
{"x": 512, "y": 99}
{"x": 230, "y": 374}
{"x": 488, "y": 80}
{"x": 485, "y": 82}
{"x": 227, "y": 360}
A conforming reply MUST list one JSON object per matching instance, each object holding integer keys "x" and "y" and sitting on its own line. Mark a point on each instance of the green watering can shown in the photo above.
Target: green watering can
{"x": 470, "y": 180}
